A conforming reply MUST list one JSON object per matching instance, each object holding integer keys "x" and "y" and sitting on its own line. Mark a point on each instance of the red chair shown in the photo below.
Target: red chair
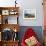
{"x": 29, "y": 33}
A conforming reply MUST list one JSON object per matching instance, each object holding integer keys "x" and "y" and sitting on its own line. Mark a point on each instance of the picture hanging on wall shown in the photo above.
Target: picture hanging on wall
{"x": 29, "y": 14}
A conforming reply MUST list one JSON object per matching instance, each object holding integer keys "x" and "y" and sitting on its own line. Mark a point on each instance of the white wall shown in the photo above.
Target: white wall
{"x": 32, "y": 4}
{"x": 24, "y": 4}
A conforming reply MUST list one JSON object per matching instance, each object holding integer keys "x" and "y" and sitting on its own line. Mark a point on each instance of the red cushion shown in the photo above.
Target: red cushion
{"x": 29, "y": 33}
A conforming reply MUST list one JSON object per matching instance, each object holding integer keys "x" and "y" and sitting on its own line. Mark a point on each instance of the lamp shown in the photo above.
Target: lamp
{"x": 15, "y": 3}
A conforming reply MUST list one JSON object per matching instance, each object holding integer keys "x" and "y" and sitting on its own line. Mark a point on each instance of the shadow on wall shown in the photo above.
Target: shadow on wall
{"x": 37, "y": 29}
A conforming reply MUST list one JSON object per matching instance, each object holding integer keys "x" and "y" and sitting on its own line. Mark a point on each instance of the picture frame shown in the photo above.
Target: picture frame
{"x": 5, "y": 12}
{"x": 29, "y": 14}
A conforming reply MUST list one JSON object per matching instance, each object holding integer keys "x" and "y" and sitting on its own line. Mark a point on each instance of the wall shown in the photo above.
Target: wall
{"x": 25, "y": 4}
{"x": 31, "y": 4}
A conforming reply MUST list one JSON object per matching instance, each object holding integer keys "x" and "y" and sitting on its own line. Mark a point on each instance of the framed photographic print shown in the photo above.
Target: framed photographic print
{"x": 29, "y": 14}
{"x": 5, "y": 12}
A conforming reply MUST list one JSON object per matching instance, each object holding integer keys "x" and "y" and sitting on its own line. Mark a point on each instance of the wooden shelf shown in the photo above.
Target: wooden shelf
{"x": 10, "y": 26}
{"x": 4, "y": 24}
{"x": 10, "y": 9}
{"x": 5, "y": 8}
{"x": 10, "y": 43}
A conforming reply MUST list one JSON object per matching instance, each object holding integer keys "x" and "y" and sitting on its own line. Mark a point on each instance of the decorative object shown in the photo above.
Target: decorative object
{"x": 15, "y": 30}
{"x": 13, "y": 12}
{"x": 29, "y": 14}
{"x": 5, "y": 12}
